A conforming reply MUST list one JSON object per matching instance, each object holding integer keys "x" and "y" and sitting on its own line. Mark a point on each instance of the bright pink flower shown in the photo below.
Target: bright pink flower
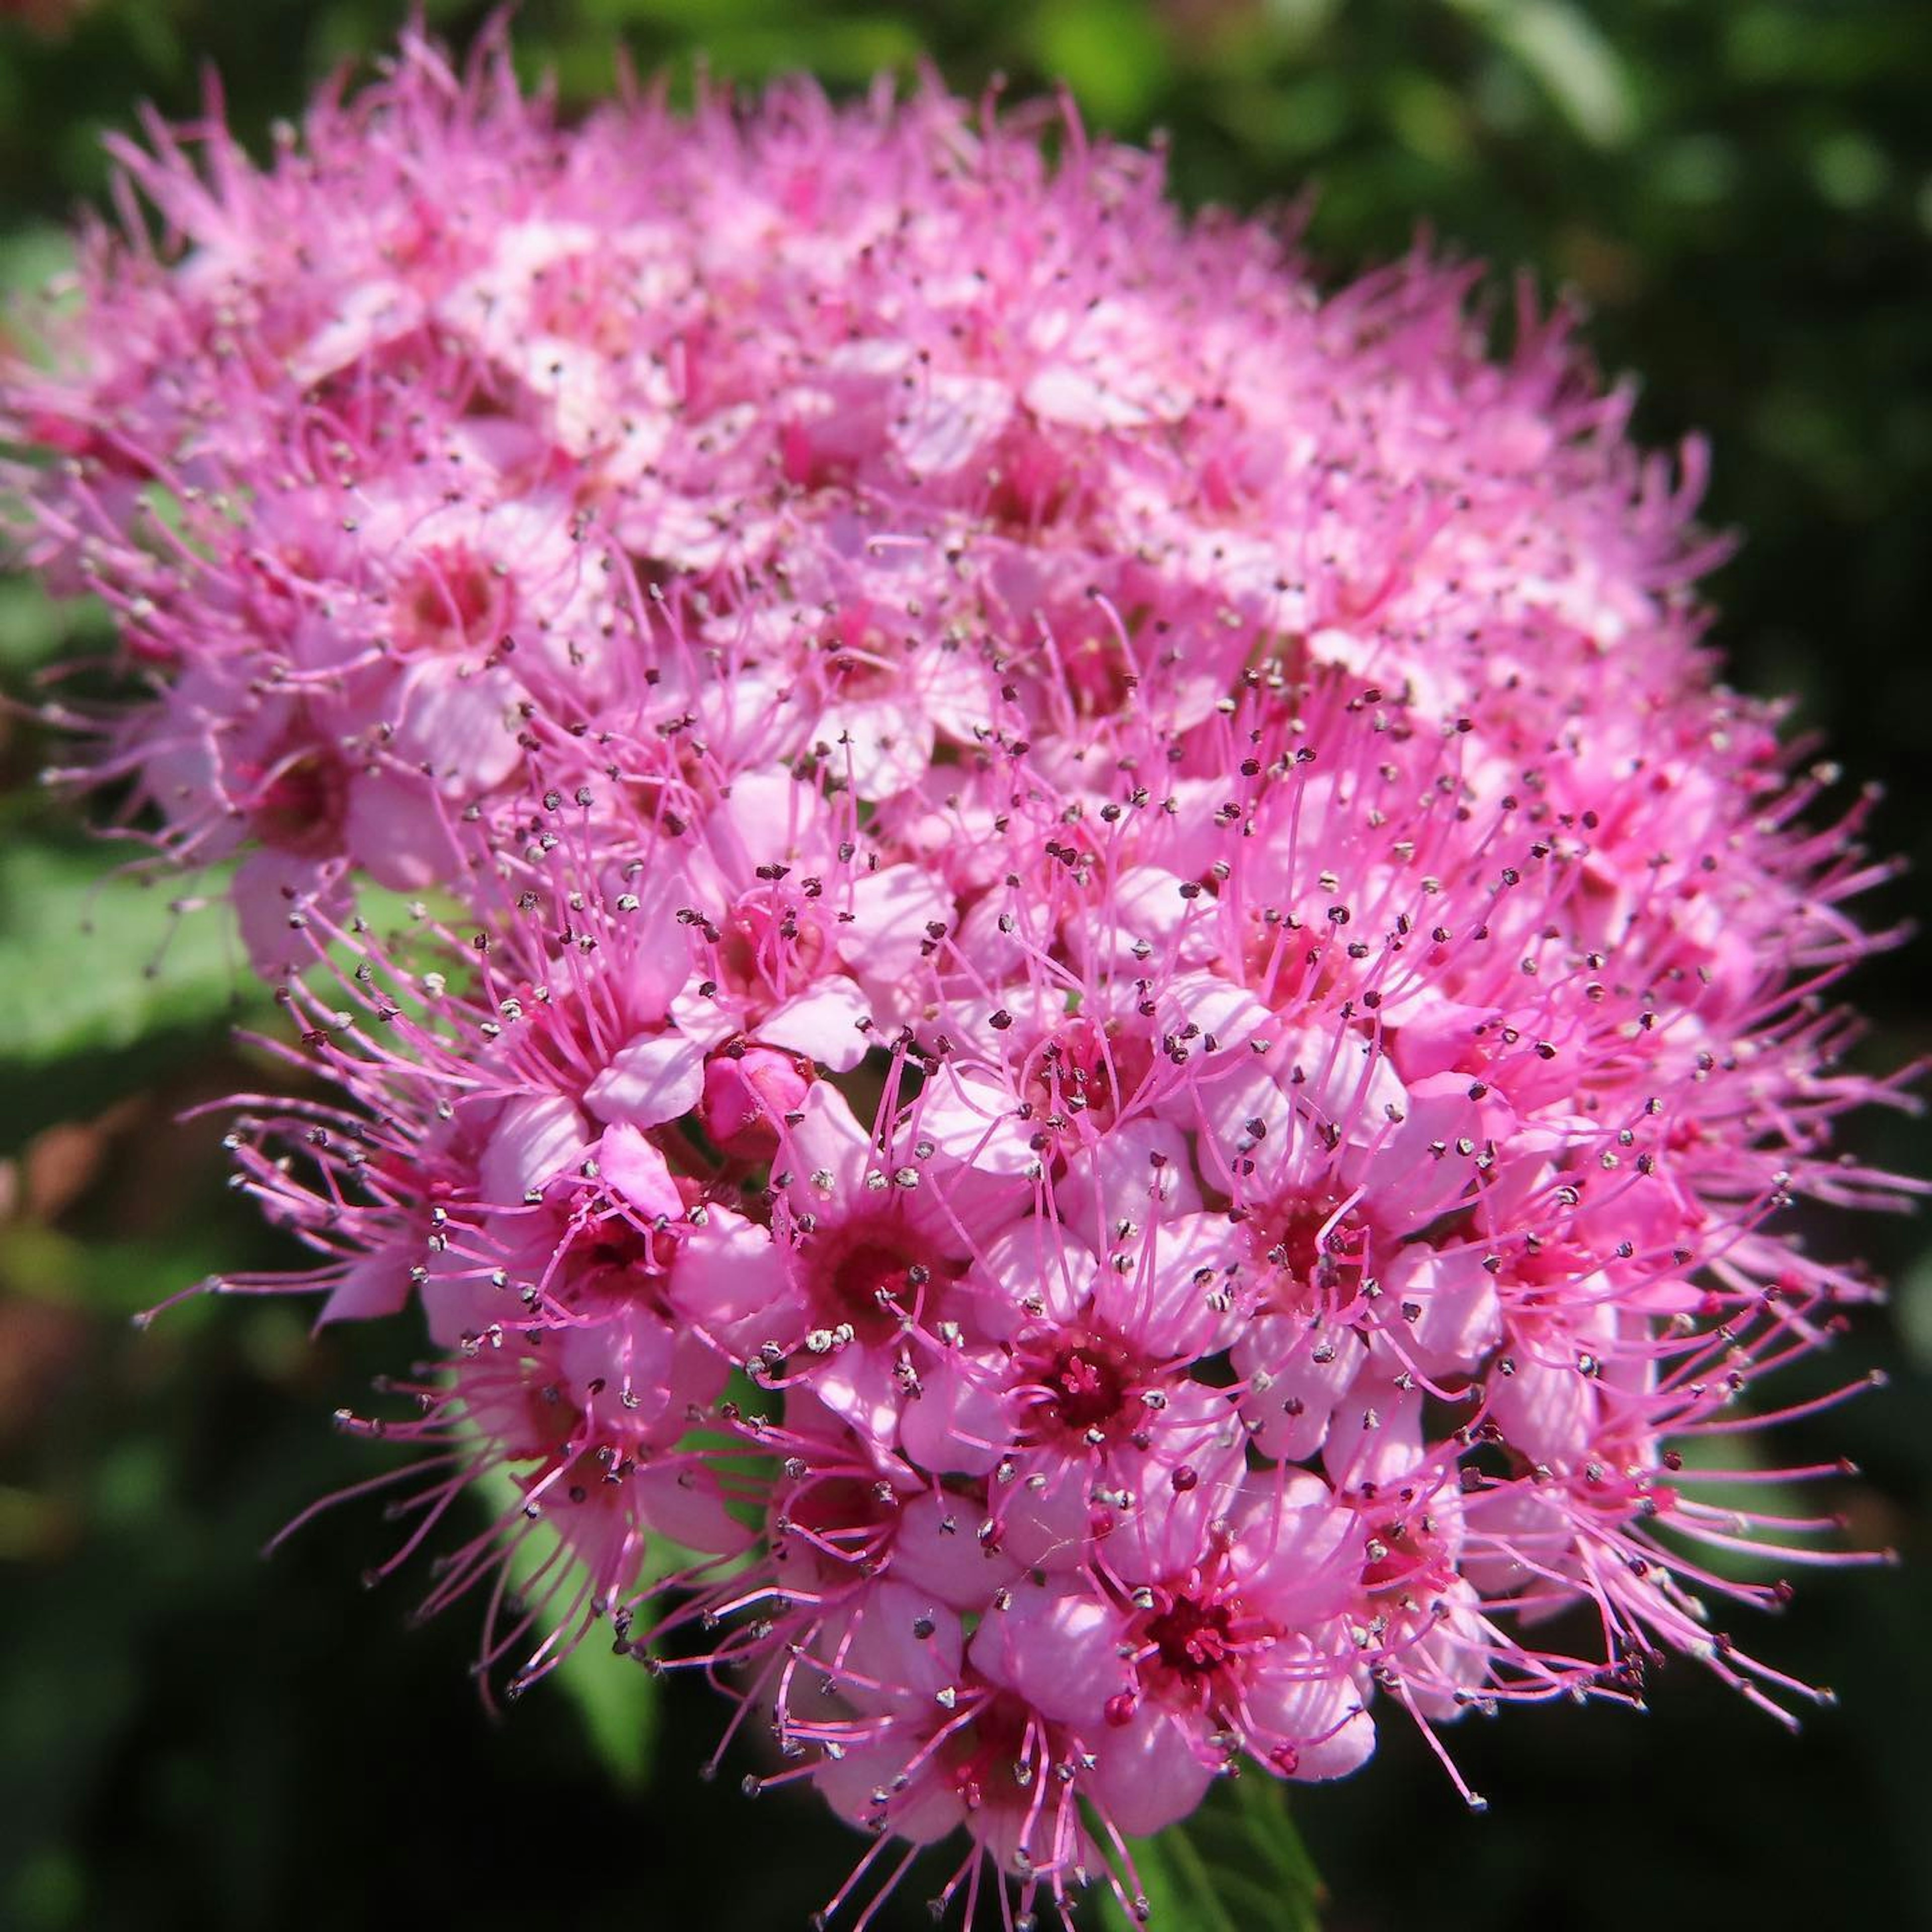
{"x": 1125, "y": 887}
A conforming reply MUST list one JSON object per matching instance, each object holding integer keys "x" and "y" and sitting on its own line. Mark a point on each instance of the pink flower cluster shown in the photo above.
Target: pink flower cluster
{"x": 1111, "y": 1026}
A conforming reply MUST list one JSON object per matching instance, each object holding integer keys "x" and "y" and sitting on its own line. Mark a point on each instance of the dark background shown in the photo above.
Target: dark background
{"x": 1740, "y": 192}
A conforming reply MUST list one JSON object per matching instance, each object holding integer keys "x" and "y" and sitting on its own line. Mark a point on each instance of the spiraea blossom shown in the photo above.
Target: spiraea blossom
{"x": 1109, "y": 1030}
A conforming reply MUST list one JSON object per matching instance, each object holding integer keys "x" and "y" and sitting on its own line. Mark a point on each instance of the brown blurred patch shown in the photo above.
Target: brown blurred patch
{"x": 61, "y": 1164}
{"x": 50, "y": 18}
{"x": 41, "y": 1343}
{"x": 1608, "y": 272}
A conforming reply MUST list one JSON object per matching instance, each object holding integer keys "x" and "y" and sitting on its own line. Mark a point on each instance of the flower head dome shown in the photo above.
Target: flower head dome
{"x": 1114, "y": 1028}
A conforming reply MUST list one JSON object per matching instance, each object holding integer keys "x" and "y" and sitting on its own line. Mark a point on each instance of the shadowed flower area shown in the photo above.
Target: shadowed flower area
{"x": 1049, "y": 980}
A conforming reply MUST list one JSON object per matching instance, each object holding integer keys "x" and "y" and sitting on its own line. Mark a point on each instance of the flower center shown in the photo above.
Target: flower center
{"x": 1316, "y": 1252}
{"x": 992, "y": 1758}
{"x": 859, "y": 662}
{"x": 619, "y": 1258}
{"x": 865, "y": 1280}
{"x": 766, "y": 951}
{"x": 1192, "y": 1638}
{"x": 1189, "y": 1650}
{"x": 453, "y": 598}
{"x": 1087, "y": 1381}
{"x": 300, "y": 808}
{"x": 1085, "y": 1070}
{"x": 824, "y": 1522}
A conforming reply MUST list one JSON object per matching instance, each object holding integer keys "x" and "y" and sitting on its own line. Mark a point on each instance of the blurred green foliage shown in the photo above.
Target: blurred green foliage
{"x": 1740, "y": 196}
{"x": 1238, "y": 1865}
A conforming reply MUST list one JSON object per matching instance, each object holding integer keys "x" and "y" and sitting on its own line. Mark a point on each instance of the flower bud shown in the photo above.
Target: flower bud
{"x": 748, "y": 1092}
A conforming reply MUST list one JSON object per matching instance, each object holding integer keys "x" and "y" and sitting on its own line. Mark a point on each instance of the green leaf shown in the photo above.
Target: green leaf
{"x": 617, "y": 1702}
{"x": 616, "y": 1698}
{"x": 1112, "y": 55}
{"x": 31, "y": 256}
{"x": 1579, "y": 67}
{"x": 1237, "y": 1865}
{"x": 92, "y": 959}
{"x": 34, "y": 628}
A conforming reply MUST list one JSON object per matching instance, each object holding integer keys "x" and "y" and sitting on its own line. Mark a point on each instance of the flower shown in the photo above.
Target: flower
{"x": 1110, "y": 1028}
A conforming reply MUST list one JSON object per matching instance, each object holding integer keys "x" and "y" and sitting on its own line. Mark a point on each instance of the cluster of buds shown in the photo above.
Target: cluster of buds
{"x": 1109, "y": 1030}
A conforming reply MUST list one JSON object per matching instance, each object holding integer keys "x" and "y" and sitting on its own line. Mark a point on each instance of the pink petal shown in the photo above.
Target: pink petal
{"x": 462, "y": 728}
{"x": 398, "y": 833}
{"x": 376, "y": 1285}
{"x": 828, "y": 1025}
{"x": 949, "y": 421}
{"x": 636, "y": 1170}
{"x": 271, "y": 888}
{"x": 1150, "y": 1773}
{"x": 957, "y": 1425}
{"x": 1056, "y": 1649}
{"x": 649, "y": 1082}
{"x": 534, "y": 1139}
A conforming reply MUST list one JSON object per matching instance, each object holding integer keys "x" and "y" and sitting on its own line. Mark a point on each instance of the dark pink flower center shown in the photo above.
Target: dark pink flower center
{"x": 769, "y": 950}
{"x": 1193, "y": 1638}
{"x": 860, "y": 662}
{"x": 1087, "y": 1383}
{"x": 1086, "y": 1070}
{"x": 620, "y": 1259}
{"x": 864, "y": 1276}
{"x": 453, "y": 598}
{"x": 989, "y": 1752}
{"x": 1191, "y": 1648}
{"x": 300, "y": 809}
{"x": 831, "y": 1520}
{"x": 1317, "y": 1255}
